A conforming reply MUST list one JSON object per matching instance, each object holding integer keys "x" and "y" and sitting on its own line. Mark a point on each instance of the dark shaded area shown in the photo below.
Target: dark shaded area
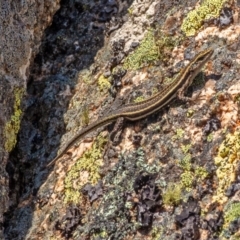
{"x": 226, "y": 17}
{"x": 150, "y": 199}
{"x": 212, "y": 125}
{"x": 213, "y": 223}
{"x": 69, "y": 222}
{"x": 70, "y": 45}
{"x": 117, "y": 214}
{"x": 189, "y": 220}
{"x": 93, "y": 192}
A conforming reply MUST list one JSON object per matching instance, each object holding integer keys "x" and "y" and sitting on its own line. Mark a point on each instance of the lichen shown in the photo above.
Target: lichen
{"x": 194, "y": 20}
{"x": 232, "y": 213}
{"x": 210, "y": 137}
{"x": 156, "y": 45}
{"x": 88, "y": 165}
{"x": 113, "y": 215}
{"x": 13, "y": 125}
{"x": 130, "y": 11}
{"x": 190, "y": 113}
{"x": 103, "y": 83}
{"x": 190, "y": 173}
{"x": 185, "y": 163}
{"x": 187, "y": 179}
{"x": 165, "y": 44}
{"x": 179, "y": 134}
{"x": 201, "y": 173}
{"x": 146, "y": 53}
{"x": 157, "y": 232}
{"x": 154, "y": 91}
{"x": 173, "y": 194}
{"x": 85, "y": 116}
{"x": 139, "y": 99}
{"x": 226, "y": 162}
{"x": 185, "y": 148}
{"x": 86, "y": 76}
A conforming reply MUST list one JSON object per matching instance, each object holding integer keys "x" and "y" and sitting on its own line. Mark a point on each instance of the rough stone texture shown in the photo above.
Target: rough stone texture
{"x": 161, "y": 176}
{"x": 22, "y": 24}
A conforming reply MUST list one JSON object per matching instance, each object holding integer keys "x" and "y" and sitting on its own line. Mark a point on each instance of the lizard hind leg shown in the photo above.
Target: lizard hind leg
{"x": 117, "y": 130}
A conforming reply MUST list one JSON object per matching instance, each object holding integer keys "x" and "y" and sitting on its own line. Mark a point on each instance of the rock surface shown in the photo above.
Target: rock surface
{"x": 173, "y": 175}
{"x": 22, "y": 25}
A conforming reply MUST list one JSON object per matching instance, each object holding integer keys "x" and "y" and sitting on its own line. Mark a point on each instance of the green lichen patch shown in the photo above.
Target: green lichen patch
{"x": 179, "y": 134}
{"x": 190, "y": 113}
{"x": 146, "y": 53}
{"x": 187, "y": 179}
{"x": 85, "y": 116}
{"x": 231, "y": 215}
{"x": 157, "y": 232}
{"x": 173, "y": 194}
{"x": 226, "y": 161}
{"x": 201, "y": 173}
{"x": 210, "y": 137}
{"x": 13, "y": 125}
{"x": 155, "y": 46}
{"x": 139, "y": 99}
{"x": 86, "y": 76}
{"x": 185, "y": 163}
{"x": 186, "y": 148}
{"x": 86, "y": 170}
{"x": 194, "y": 20}
{"x": 165, "y": 44}
{"x": 103, "y": 83}
{"x": 191, "y": 174}
{"x": 115, "y": 215}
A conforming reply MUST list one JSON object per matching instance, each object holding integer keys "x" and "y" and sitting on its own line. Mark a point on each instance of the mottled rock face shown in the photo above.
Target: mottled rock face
{"x": 169, "y": 175}
{"x": 21, "y": 28}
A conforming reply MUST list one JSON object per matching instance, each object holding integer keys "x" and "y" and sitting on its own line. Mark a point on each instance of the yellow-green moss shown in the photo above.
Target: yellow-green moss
{"x": 210, "y": 137}
{"x": 13, "y": 125}
{"x": 165, "y": 44}
{"x": 190, "y": 173}
{"x": 186, "y": 148}
{"x": 226, "y": 162}
{"x": 237, "y": 98}
{"x": 139, "y": 99}
{"x": 154, "y": 91}
{"x": 88, "y": 166}
{"x": 154, "y": 46}
{"x": 201, "y": 173}
{"x": 190, "y": 113}
{"x": 194, "y": 20}
{"x": 85, "y": 76}
{"x": 179, "y": 134}
{"x": 146, "y": 53}
{"x": 157, "y": 232}
{"x": 130, "y": 11}
{"x": 85, "y": 116}
{"x": 101, "y": 235}
{"x": 187, "y": 179}
{"x": 172, "y": 195}
{"x": 103, "y": 83}
{"x": 231, "y": 214}
{"x": 185, "y": 163}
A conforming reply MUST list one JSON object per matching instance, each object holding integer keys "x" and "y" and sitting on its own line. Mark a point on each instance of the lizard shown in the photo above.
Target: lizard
{"x": 140, "y": 110}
